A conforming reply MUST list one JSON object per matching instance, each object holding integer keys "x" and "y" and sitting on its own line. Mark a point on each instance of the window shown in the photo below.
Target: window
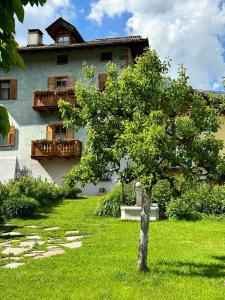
{"x": 5, "y": 89}
{"x": 62, "y": 59}
{"x": 60, "y": 132}
{"x": 63, "y": 40}
{"x": 61, "y": 82}
{"x": 8, "y": 89}
{"x": 105, "y": 56}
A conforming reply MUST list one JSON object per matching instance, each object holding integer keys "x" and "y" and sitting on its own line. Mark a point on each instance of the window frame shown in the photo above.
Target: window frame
{"x": 104, "y": 59}
{"x": 63, "y": 42}
{"x": 57, "y": 79}
{"x": 9, "y": 89}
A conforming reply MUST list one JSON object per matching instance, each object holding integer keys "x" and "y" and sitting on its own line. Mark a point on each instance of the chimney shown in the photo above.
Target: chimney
{"x": 34, "y": 37}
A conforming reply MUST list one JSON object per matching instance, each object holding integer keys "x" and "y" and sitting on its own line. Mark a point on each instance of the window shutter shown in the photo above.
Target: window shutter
{"x": 13, "y": 89}
{"x": 69, "y": 133}
{"x": 50, "y": 132}
{"x": 71, "y": 82}
{"x": 11, "y": 136}
{"x": 101, "y": 81}
{"x": 51, "y": 83}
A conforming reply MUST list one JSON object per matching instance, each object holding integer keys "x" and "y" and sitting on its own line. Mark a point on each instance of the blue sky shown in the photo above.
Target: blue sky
{"x": 191, "y": 32}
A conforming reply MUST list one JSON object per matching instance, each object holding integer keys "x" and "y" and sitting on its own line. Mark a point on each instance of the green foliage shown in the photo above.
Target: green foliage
{"x": 162, "y": 194}
{"x": 4, "y": 192}
{"x": 8, "y": 46}
{"x": 110, "y": 204}
{"x": 21, "y": 207}
{"x": 201, "y": 200}
{"x": 4, "y": 121}
{"x": 147, "y": 119}
{"x": 70, "y": 192}
{"x": 42, "y": 190}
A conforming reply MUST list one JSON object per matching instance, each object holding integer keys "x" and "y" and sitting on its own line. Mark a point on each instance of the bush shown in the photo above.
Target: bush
{"x": 42, "y": 190}
{"x": 161, "y": 195}
{"x": 200, "y": 200}
{"x": 110, "y": 204}
{"x": 4, "y": 192}
{"x": 70, "y": 192}
{"x": 19, "y": 207}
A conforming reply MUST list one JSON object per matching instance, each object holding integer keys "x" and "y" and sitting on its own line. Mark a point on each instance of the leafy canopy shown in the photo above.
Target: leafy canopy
{"x": 8, "y": 45}
{"x": 142, "y": 123}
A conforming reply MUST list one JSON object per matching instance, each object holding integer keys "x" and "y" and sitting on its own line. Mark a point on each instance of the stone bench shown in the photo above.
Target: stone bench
{"x": 134, "y": 212}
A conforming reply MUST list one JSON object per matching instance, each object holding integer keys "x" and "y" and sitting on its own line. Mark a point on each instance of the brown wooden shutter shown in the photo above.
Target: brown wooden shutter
{"x": 11, "y": 136}
{"x": 101, "y": 81}
{"x": 69, "y": 134}
{"x": 51, "y": 83}
{"x": 50, "y": 132}
{"x": 13, "y": 89}
{"x": 71, "y": 82}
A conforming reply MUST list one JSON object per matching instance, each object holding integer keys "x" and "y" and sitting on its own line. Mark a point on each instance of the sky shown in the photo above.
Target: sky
{"x": 190, "y": 32}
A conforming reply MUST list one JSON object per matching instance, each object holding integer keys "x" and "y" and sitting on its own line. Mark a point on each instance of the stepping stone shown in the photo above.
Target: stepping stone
{"x": 5, "y": 244}
{"x": 14, "y": 251}
{"x": 33, "y": 237}
{"x": 13, "y": 265}
{"x": 52, "y": 247}
{"x": 40, "y": 243}
{"x": 12, "y": 258}
{"x": 11, "y": 233}
{"x": 73, "y": 245}
{"x": 49, "y": 253}
{"x": 51, "y": 228}
{"x": 30, "y": 255}
{"x": 32, "y": 226}
{"x": 29, "y": 244}
{"x": 71, "y": 231}
{"x": 74, "y": 237}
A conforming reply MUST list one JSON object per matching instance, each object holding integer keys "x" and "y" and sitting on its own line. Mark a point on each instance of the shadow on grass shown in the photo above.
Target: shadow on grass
{"x": 209, "y": 270}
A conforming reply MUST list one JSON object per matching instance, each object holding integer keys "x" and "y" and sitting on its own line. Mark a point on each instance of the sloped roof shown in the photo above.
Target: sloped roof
{"x": 134, "y": 41}
{"x": 60, "y": 22}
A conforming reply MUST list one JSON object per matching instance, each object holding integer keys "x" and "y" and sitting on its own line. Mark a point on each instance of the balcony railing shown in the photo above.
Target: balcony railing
{"x": 42, "y": 149}
{"x": 48, "y": 100}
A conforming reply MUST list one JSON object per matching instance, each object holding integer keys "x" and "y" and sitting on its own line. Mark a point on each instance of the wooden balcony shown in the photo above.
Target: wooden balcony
{"x": 48, "y": 100}
{"x": 43, "y": 149}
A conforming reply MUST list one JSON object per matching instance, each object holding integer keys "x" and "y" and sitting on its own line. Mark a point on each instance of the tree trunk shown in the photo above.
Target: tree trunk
{"x": 143, "y": 241}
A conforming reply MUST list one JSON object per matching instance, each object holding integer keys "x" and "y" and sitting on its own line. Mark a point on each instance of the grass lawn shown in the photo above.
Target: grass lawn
{"x": 186, "y": 259}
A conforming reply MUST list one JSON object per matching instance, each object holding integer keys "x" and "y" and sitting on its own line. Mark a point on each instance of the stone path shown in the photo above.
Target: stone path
{"x": 36, "y": 246}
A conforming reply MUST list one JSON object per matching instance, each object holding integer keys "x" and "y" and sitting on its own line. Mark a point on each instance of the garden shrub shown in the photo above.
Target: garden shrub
{"x": 42, "y": 190}
{"x": 110, "y": 204}
{"x": 161, "y": 194}
{"x": 4, "y": 192}
{"x": 21, "y": 207}
{"x": 201, "y": 199}
{"x": 70, "y": 192}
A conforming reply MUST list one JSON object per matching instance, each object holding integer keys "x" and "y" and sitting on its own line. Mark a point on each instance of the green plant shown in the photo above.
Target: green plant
{"x": 22, "y": 207}
{"x": 42, "y": 190}
{"x": 179, "y": 209}
{"x": 110, "y": 204}
{"x": 4, "y": 192}
{"x": 70, "y": 192}
{"x": 161, "y": 195}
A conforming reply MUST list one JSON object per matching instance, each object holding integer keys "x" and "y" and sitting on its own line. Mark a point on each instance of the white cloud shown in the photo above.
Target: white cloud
{"x": 41, "y": 17}
{"x": 187, "y": 31}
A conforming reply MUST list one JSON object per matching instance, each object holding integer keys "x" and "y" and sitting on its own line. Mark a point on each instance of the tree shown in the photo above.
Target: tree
{"x": 8, "y": 47}
{"x": 141, "y": 124}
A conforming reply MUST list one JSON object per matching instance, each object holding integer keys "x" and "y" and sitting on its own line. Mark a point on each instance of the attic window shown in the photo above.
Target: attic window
{"x": 106, "y": 56}
{"x": 62, "y": 59}
{"x": 63, "y": 40}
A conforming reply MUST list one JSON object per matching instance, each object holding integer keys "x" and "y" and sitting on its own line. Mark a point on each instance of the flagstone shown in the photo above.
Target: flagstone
{"x": 33, "y": 237}
{"x": 29, "y": 244}
{"x": 49, "y": 253}
{"x": 72, "y": 245}
{"x": 51, "y": 228}
{"x": 13, "y": 265}
{"x": 14, "y": 251}
{"x": 12, "y": 258}
{"x": 11, "y": 233}
{"x": 32, "y": 226}
{"x": 74, "y": 237}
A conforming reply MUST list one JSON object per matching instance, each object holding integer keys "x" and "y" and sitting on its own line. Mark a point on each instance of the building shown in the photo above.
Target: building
{"x": 38, "y": 144}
